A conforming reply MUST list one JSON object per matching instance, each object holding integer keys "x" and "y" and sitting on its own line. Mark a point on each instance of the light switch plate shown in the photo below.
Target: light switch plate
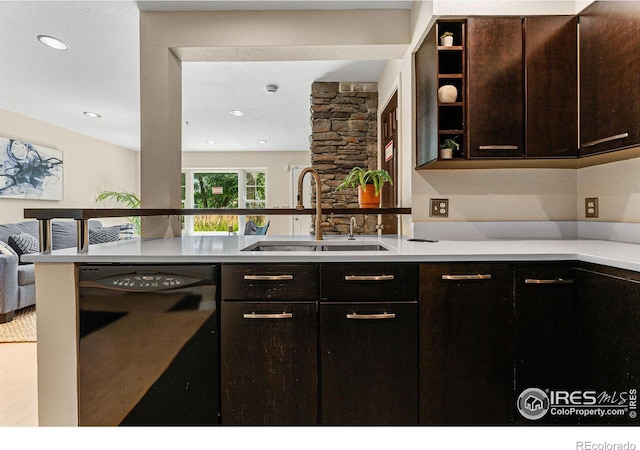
{"x": 591, "y": 207}
{"x": 439, "y": 207}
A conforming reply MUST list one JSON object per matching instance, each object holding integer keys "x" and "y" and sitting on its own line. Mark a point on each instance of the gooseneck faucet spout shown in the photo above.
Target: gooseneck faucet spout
{"x": 352, "y": 223}
{"x": 319, "y": 224}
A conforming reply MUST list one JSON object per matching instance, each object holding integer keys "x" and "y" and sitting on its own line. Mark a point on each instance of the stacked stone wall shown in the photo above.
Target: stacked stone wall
{"x": 344, "y": 135}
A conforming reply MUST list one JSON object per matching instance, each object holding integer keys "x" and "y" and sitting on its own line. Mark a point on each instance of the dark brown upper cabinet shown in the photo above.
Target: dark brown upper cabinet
{"x": 551, "y": 86}
{"x": 609, "y": 76}
{"x": 495, "y": 100}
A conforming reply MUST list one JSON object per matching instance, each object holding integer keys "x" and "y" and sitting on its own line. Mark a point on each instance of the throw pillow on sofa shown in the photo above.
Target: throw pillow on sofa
{"x": 102, "y": 235}
{"x": 6, "y": 249}
{"x": 24, "y": 244}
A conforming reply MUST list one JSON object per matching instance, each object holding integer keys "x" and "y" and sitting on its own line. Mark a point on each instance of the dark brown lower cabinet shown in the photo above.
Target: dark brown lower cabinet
{"x": 466, "y": 344}
{"x": 269, "y": 363}
{"x": 369, "y": 363}
{"x": 609, "y": 334}
{"x": 546, "y": 340}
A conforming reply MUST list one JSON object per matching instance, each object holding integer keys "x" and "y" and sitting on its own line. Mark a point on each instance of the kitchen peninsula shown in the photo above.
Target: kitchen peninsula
{"x": 596, "y": 285}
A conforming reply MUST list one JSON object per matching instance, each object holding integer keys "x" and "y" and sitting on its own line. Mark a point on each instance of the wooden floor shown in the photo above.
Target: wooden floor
{"x": 18, "y": 385}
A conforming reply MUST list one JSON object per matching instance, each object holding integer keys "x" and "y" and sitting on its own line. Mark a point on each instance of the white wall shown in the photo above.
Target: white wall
{"x": 278, "y": 176}
{"x": 89, "y": 166}
{"x": 617, "y": 186}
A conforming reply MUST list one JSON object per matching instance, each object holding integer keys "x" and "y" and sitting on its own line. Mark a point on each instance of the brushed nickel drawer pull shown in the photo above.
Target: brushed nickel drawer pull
{"x": 384, "y": 315}
{"x": 268, "y": 277}
{"x": 498, "y": 147}
{"x": 253, "y": 315}
{"x": 607, "y": 139}
{"x": 551, "y": 281}
{"x": 368, "y": 277}
{"x": 478, "y": 276}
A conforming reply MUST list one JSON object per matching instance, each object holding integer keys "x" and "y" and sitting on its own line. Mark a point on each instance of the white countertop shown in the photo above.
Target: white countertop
{"x": 191, "y": 249}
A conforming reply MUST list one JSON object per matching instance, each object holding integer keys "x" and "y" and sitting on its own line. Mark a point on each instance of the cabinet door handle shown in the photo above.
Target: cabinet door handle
{"x": 253, "y": 315}
{"x": 268, "y": 277}
{"x": 478, "y": 276}
{"x": 384, "y": 315}
{"x": 607, "y": 139}
{"x": 498, "y": 147}
{"x": 368, "y": 277}
{"x": 550, "y": 281}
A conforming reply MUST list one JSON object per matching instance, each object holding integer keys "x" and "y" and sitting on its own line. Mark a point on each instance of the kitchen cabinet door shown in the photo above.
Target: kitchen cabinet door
{"x": 609, "y": 76}
{"x": 269, "y": 363}
{"x": 369, "y": 363}
{"x": 495, "y": 100}
{"x": 546, "y": 341}
{"x": 609, "y": 335}
{"x": 551, "y": 86}
{"x": 466, "y": 344}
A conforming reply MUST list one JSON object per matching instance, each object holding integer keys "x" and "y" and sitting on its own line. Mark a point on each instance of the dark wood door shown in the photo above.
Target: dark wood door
{"x": 466, "y": 344}
{"x": 551, "y": 86}
{"x": 609, "y": 76}
{"x": 269, "y": 363}
{"x": 546, "y": 342}
{"x": 495, "y": 108}
{"x": 389, "y": 157}
{"x": 609, "y": 336}
{"x": 369, "y": 363}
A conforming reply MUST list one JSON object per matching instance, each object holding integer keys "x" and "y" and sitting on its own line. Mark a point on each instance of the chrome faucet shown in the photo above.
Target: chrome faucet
{"x": 352, "y": 223}
{"x": 319, "y": 223}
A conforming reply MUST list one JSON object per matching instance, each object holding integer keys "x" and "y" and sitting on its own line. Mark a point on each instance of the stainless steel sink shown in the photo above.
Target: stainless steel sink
{"x": 314, "y": 246}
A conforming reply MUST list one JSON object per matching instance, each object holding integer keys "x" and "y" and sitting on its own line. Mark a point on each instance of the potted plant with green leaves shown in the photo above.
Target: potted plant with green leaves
{"x": 446, "y": 39}
{"x": 449, "y": 147}
{"x": 128, "y": 199}
{"x": 369, "y": 183}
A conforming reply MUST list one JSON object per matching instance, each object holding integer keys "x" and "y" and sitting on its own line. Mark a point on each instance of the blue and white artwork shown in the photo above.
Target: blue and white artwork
{"x": 29, "y": 171}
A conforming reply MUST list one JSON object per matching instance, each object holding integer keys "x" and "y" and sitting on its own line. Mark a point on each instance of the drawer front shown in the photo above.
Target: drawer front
{"x": 269, "y": 282}
{"x": 375, "y": 282}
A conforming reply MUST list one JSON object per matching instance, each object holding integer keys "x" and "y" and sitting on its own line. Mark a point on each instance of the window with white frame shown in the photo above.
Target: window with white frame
{"x": 219, "y": 189}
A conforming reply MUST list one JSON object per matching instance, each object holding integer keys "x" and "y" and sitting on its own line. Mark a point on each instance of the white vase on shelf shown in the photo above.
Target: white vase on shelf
{"x": 446, "y": 41}
{"x": 447, "y": 94}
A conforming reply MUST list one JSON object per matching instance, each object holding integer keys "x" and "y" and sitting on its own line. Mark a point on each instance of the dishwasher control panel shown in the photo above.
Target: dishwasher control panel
{"x": 146, "y": 282}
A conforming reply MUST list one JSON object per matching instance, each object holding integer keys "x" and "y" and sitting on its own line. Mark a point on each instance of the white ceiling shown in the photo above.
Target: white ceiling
{"x": 100, "y": 73}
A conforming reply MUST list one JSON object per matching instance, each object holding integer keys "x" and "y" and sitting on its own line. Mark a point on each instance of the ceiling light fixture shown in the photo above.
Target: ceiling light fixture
{"x": 237, "y": 112}
{"x": 211, "y": 142}
{"x": 262, "y": 141}
{"x": 92, "y": 114}
{"x": 52, "y": 42}
{"x": 271, "y": 89}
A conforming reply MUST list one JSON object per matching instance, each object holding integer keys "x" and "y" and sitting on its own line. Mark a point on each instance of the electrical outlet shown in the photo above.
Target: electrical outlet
{"x": 439, "y": 207}
{"x": 591, "y": 207}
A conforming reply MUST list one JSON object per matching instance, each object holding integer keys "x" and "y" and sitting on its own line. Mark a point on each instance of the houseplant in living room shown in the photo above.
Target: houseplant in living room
{"x": 369, "y": 184}
{"x": 128, "y": 199}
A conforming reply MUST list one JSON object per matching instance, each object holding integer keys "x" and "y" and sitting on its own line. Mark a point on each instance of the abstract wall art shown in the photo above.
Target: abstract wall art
{"x": 29, "y": 171}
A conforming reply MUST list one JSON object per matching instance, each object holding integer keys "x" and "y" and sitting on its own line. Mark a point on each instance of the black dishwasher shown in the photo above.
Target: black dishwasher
{"x": 148, "y": 345}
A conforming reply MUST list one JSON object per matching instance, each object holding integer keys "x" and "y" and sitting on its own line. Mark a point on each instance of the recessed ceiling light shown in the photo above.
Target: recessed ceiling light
{"x": 211, "y": 142}
{"x": 92, "y": 114}
{"x": 271, "y": 89}
{"x": 237, "y": 112}
{"x": 52, "y": 42}
{"x": 262, "y": 141}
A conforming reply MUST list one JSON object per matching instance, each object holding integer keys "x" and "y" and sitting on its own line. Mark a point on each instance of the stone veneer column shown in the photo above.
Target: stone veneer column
{"x": 344, "y": 135}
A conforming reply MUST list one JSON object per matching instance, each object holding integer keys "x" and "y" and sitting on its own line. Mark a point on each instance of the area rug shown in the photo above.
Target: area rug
{"x": 22, "y": 328}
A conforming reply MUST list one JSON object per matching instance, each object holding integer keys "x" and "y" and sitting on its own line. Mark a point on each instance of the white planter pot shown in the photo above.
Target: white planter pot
{"x": 447, "y": 94}
{"x": 446, "y": 41}
{"x": 446, "y": 153}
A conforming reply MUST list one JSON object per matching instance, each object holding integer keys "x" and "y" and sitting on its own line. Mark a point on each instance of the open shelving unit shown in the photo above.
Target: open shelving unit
{"x": 451, "y": 70}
